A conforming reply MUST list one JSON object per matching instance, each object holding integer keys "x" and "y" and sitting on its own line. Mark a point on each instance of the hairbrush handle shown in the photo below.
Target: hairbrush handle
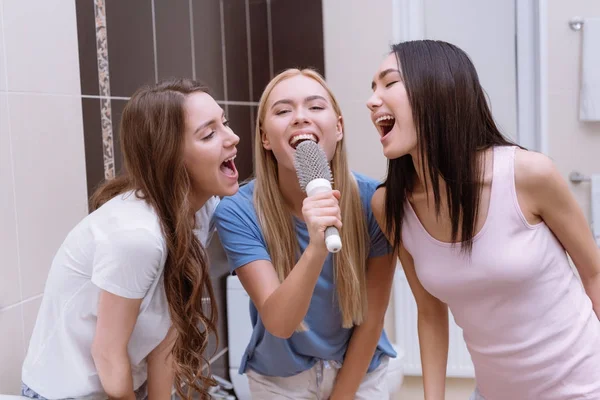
{"x": 333, "y": 242}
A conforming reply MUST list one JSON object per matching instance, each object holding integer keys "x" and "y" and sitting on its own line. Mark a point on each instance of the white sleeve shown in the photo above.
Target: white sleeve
{"x": 126, "y": 263}
{"x": 204, "y": 221}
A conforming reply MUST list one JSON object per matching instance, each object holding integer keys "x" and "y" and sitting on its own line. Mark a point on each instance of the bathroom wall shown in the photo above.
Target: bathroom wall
{"x": 42, "y": 161}
{"x": 572, "y": 144}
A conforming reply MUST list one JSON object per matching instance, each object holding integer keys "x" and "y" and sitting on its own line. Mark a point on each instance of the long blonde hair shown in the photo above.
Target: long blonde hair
{"x": 277, "y": 224}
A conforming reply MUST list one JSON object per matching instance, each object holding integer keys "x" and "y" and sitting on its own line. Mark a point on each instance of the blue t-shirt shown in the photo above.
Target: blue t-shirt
{"x": 325, "y": 339}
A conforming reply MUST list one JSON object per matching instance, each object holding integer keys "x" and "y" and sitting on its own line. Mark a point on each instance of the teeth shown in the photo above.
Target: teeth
{"x": 384, "y": 118}
{"x": 229, "y": 159}
{"x": 306, "y": 136}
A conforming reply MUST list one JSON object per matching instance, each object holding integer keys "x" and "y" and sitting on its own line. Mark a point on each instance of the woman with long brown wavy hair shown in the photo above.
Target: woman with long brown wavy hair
{"x": 122, "y": 315}
{"x": 317, "y": 317}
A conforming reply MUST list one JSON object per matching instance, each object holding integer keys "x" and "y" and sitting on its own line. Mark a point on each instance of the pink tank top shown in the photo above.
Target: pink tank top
{"x": 526, "y": 318}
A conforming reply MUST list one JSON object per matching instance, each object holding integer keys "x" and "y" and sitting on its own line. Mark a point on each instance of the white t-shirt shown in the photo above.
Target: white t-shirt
{"x": 119, "y": 248}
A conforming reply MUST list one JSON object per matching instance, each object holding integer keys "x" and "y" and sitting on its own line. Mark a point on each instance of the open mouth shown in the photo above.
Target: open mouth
{"x": 385, "y": 123}
{"x": 297, "y": 139}
{"x": 228, "y": 167}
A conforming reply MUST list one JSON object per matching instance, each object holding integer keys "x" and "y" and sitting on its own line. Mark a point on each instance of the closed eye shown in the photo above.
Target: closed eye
{"x": 390, "y": 84}
{"x": 281, "y": 112}
{"x": 209, "y": 136}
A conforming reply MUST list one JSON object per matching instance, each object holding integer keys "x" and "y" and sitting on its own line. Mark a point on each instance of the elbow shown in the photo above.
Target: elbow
{"x": 432, "y": 310}
{"x": 374, "y": 326}
{"x": 109, "y": 360}
{"x": 278, "y": 325}
{"x": 279, "y": 331}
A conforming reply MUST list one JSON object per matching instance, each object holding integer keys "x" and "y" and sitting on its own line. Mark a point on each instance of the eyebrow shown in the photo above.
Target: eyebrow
{"x": 207, "y": 123}
{"x": 382, "y": 75}
{"x": 306, "y": 100}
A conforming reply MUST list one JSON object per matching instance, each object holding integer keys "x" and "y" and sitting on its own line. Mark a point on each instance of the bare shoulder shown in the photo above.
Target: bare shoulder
{"x": 534, "y": 171}
{"x": 538, "y": 183}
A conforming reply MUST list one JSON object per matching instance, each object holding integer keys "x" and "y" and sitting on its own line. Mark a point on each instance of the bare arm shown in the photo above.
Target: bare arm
{"x": 283, "y": 306}
{"x": 160, "y": 369}
{"x": 116, "y": 320}
{"x": 543, "y": 193}
{"x": 432, "y": 318}
{"x": 380, "y": 275}
{"x": 433, "y": 332}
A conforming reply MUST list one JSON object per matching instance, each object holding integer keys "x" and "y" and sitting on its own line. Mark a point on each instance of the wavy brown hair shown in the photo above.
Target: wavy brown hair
{"x": 152, "y": 136}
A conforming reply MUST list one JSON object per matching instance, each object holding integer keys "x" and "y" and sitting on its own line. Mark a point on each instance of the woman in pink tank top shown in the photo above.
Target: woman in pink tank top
{"x": 483, "y": 228}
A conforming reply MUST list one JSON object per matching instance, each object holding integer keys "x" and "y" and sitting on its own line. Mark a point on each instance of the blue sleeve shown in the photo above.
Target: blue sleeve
{"x": 239, "y": 234}
{"x": 379, "y": 245}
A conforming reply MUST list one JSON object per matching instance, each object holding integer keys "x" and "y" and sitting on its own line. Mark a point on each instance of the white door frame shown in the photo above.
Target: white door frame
{"x": 408, "y": 23}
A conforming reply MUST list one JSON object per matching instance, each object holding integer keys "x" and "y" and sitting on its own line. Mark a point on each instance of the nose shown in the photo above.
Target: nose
{"x": 231, "y": 140}
{"x": 300, "y": 116}
{"x": 374, "y": 102}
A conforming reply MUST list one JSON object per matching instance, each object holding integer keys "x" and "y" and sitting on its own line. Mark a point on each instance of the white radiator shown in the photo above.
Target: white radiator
{"x": 405, "y": 319}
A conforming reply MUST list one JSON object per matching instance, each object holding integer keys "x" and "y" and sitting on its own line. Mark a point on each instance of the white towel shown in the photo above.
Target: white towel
{"x": 590, "y": 69}
{"x": 595, "y": 202}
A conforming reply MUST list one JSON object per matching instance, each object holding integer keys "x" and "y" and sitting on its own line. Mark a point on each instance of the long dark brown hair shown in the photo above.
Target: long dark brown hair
{"x": 152, "y": 137}
{"x": 453, "y": 124}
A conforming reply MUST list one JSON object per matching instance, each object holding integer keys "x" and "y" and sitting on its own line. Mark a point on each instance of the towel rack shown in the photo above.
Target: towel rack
{"x": 576, "y": 23}
{"x": 578, "y": 177}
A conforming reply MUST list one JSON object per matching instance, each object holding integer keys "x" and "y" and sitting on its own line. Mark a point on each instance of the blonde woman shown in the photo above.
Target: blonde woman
{"x": 317, "y": 317}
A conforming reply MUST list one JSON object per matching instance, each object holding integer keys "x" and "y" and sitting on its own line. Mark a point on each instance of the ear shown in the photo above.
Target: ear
{"x": 340, "y": 129}
{"x": 265, "y": 141}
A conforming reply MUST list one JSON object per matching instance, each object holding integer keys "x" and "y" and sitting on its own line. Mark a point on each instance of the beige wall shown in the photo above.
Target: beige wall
{"x": 486, "y": 31}
{"x": 574, "y": 145}
{"x": 42, "y": 166}
{"x": 357, "y": 37}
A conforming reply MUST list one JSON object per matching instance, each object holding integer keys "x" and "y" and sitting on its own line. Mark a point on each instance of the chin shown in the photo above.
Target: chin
{"x": 391, "y": 153}
{"x": 230, "y": 190}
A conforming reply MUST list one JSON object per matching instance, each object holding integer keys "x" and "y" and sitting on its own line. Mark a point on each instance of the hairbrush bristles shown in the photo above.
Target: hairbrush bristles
{"x": 311, "y": 163}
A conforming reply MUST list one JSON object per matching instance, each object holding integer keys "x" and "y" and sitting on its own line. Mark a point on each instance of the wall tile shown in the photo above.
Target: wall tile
{"x": 88, "y": 55}
{"x": 130, "y": 45}
{"x": 117, "y": 110}
{"x": 2, "y": 56}
{"x": 9, "y": 267}
{"x": 92, "y": 132}
{"x": 41, "y": 52}
{"x": 299, "y": 41}
{"x": 259, "y": 32}
{"x": 50, "y": 184}
{"x": 173, "y": 38}
{"x": 236, "y": 50}
{"x": 11, "y": 350}
{"x": 208, "y": 45}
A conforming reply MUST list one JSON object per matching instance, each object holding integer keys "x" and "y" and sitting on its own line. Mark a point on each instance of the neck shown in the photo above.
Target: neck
{"x": 292, "y": 194}
{"x": 197, "y": 201}
{"x": 423, "y": 173}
